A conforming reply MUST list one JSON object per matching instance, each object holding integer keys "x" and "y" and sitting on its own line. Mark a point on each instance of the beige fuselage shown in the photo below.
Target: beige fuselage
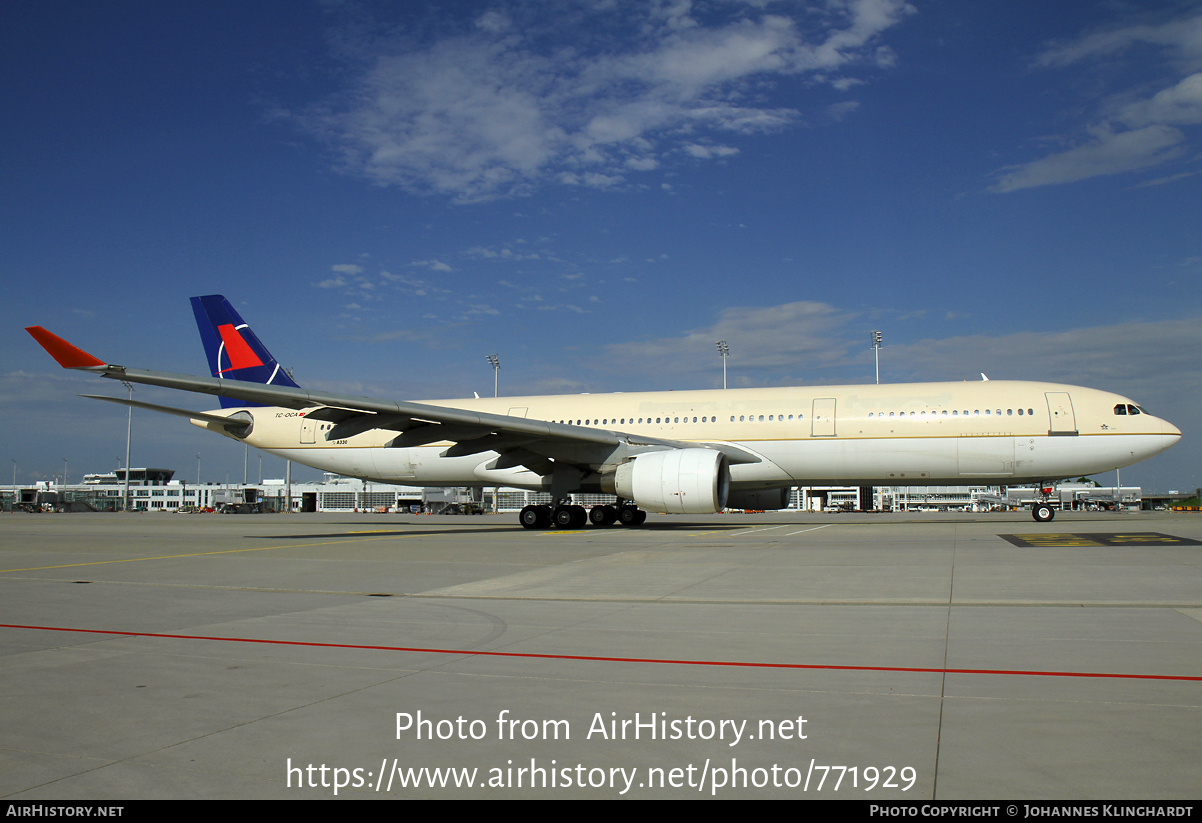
{"x": 892, "y": 434}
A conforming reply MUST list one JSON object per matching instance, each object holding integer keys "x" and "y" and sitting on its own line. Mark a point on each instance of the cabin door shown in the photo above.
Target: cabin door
{"x": 1060, "y": 413}
{"x": 823, "y": 421}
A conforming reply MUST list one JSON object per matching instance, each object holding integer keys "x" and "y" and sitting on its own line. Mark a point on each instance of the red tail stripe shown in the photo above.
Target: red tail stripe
{"x": 240, "y": 353}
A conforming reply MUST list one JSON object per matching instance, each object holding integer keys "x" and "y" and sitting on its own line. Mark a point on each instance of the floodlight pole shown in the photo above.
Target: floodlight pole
{"x": 495, "y": 361}
{"x": 876, "y": 349}
{"x": 129, "y": 429}
{"x": 724, "y": 351}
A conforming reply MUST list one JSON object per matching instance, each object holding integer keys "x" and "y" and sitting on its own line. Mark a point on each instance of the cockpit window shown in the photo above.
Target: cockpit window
{"x": 1133, "y": 409}
{"x": 1121, "y": 408}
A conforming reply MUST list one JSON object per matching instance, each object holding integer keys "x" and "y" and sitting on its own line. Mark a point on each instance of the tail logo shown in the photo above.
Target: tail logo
{"x": 236, "y": 349}
{"x": 233, "y": 349}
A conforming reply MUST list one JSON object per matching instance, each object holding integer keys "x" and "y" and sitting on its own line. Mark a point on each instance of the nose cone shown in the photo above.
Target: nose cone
{"x": 1165, "y": 437}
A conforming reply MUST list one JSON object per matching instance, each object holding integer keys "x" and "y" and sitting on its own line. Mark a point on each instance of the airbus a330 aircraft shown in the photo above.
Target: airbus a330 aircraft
{"x": 687, "y": 452}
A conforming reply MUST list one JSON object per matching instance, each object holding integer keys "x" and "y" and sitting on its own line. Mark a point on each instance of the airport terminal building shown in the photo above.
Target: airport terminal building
{"x": 157, "y": 490}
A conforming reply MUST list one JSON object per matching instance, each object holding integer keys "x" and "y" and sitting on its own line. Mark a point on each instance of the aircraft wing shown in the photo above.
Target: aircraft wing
{"x": 526, "y": 441}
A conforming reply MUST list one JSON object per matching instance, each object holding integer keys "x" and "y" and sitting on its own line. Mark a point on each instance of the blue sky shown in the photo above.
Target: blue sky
{"x": 597, "y": 191}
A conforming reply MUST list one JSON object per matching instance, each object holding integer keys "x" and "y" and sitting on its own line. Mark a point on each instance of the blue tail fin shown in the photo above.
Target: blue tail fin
{"x": 233, "y": 350}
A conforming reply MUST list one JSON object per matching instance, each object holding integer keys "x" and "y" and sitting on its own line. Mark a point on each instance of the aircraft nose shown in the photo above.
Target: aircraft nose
{"x": 1165, "y": 438}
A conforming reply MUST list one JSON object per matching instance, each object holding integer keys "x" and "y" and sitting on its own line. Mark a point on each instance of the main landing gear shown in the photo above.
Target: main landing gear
{"x": 567, "y": 516}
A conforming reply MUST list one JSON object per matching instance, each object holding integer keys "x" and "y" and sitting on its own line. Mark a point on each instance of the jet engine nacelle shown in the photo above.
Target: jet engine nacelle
{"x": 759, "y": 499}
{"x": 677, "y": 481}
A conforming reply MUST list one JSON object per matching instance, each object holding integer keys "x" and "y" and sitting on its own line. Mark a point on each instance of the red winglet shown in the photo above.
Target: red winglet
{"x": 68, "y": 356}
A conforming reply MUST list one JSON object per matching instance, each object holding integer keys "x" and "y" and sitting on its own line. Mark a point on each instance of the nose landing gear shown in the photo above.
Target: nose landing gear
{"x": 1043, "y": 511}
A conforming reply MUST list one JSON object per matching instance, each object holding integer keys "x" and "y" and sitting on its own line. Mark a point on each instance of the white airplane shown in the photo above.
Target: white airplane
{"x": 686, "y": 452}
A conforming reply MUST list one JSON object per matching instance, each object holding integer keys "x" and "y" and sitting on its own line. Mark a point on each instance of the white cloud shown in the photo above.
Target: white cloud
{"x": 432, "y": 265}
{"x": 1131, "y": 357}
{"x": 841, "y": 111}
{"x": 1180, "y": 104}
{"x": 583, "y": 94}
{"x": 807, "y": 342}
{"x": 1108, "y": 153}
{"x": 789, "y": 337}
{"x": 1181, "y": 38}
{"x": 493, "y": 21}
{"x": 706, "y": 152}
{"x": 477, "y": 309}
{"x": 1134, "y": 131}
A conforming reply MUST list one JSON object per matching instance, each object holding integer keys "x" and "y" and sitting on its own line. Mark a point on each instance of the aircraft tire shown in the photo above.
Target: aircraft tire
{"x": 603, "y": 515}
{"x": 570, "y": 517}
{"x": 535, "y": 517}
{"x": 1042, "y": 512}
{"x": 631, "y": 516}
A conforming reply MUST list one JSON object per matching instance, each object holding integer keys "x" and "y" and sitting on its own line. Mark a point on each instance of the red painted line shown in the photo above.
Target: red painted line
{"x": 736, "y": 663}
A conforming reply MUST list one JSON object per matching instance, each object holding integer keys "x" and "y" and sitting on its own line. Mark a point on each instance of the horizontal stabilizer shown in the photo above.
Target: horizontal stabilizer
{"x": 236, "y": 426}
